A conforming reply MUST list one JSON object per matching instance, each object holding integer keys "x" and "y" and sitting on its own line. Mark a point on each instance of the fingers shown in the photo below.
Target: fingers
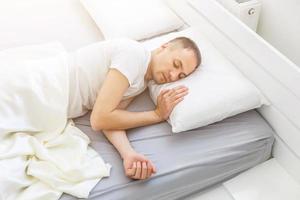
{"x": 175, "y": 102}
{"x": 170, "y": 95}
{"x": 179, "y": 87}
{"x": 179, "y": 95}
{"x": 182, "y": 89}
{"x": 163, "y": 92}
{"x": 138, "y": 170}
{"x": 178, "y": 98}
{"x": 152, "y": 166}
{"x": 149, "y": 171}
{"x": 179, "y": 91}
{"x": 168, "y": 99}
{"x": 144, "y": 170}
{"x": 141, "y": 170}
{"x": 175, "y": 91}
{"x": 131, "y": 171}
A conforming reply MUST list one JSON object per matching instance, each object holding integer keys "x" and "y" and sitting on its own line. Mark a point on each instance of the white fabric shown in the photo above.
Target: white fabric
{"x": 42, "y": 153}
{"x": 136, "y": 19}
{"x": 216, "y": 89}
{"x": 90, "y": 64}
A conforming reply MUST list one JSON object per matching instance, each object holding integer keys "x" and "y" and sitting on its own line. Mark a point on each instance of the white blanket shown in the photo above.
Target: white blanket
{"x": 42, "y": 153}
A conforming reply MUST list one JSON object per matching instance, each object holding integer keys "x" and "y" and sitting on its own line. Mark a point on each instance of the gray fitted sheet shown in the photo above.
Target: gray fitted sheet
{"x": 186, "y": 162}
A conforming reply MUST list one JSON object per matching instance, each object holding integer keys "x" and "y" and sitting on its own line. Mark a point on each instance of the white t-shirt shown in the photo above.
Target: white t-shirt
{"x": 89, "y": 66}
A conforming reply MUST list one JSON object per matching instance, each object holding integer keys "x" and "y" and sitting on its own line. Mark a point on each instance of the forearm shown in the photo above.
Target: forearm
{"x": 120, "y": 141}
{"x": 118, "y": 137}
{"x": 122, "y": 119}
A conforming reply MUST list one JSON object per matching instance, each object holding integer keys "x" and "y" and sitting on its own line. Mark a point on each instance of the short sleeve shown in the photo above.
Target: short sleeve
{"x": 127, "y": 57}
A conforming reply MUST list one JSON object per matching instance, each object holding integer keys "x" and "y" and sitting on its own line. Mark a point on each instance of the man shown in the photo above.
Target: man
{"x": 131, "y": 66}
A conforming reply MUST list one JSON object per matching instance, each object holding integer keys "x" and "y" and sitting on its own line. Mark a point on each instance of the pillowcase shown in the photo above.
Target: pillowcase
{"x": 217, "y": 90}
{"x": 135, "y": 19}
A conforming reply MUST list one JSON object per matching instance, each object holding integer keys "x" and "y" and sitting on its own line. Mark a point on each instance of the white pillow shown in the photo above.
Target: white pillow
{"x": 135, "y": 19}
{"x": 217, "y": 89}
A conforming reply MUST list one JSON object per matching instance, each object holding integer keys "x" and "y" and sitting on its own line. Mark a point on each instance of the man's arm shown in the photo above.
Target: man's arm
{"x": 136, "y": 166}
{"x": 118, "y": 137}
{"x": 105, "y": 114}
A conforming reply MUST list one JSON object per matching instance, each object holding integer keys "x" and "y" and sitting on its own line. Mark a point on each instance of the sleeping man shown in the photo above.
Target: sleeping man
{"x": 105, "y": 78}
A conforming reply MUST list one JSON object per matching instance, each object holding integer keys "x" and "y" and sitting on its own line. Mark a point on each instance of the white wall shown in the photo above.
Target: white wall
{"x": 280, "y": 25}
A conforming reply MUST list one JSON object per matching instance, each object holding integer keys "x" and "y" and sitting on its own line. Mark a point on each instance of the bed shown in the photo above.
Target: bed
{"x": 246, "y": 138}
{"x": 186, "y": 162}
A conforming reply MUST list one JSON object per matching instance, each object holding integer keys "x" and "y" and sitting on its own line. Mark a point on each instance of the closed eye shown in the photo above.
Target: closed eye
{"x": 175, "y": 64}
{"x": 178, "y": 65}
{"x": 182, "y": 75}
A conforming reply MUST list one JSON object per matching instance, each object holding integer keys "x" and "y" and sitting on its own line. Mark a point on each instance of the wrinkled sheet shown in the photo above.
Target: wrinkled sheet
{"x": 42, "y": 153}
{"x": 185, "y": 163}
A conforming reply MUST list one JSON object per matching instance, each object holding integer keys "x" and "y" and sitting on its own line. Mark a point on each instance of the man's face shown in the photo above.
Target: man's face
{"x": 169, "y": 64}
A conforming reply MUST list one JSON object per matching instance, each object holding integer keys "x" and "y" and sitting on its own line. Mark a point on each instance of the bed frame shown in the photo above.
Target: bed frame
{"x": 272, "y": 72}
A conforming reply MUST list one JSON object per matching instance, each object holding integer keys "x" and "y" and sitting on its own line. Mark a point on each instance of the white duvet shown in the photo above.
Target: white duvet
{"x": 42, "y": 153}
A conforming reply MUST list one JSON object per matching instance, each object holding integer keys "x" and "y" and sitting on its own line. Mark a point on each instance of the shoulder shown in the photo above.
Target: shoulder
{"x": 130, "y": 58}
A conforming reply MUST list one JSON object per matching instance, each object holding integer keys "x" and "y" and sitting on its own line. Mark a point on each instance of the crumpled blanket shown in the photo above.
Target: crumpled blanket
{"x": 42, "y": 153}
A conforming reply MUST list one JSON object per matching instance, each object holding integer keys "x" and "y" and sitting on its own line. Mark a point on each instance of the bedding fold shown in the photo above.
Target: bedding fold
{"x": 42, "y": 153}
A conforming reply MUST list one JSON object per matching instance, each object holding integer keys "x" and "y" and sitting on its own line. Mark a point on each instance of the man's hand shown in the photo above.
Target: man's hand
{"x": 168, "y": 99}
{"x": 137, "y": 166}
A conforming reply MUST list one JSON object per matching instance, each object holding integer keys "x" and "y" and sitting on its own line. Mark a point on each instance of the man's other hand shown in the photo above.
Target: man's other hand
{"x": 137, "y": 166}
{"x": 168, "y": 99}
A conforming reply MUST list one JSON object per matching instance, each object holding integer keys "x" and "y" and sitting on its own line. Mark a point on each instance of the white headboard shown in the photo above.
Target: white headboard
{"x": 275, "y": 75}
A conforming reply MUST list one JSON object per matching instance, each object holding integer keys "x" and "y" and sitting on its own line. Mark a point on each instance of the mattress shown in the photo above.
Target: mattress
{"x": 186, "y": 162}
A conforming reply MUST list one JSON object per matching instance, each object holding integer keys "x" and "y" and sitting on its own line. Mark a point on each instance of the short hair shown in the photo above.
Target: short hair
{"x": 188, "y": 44}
